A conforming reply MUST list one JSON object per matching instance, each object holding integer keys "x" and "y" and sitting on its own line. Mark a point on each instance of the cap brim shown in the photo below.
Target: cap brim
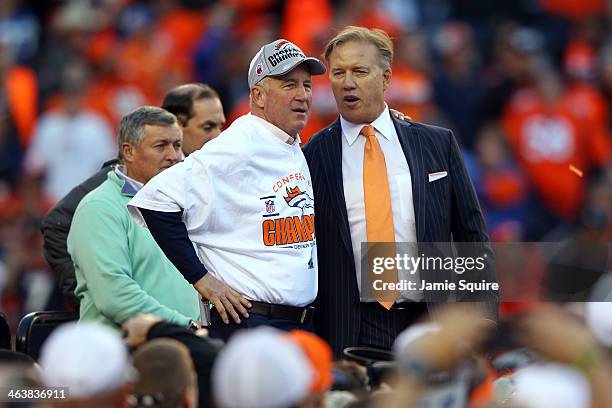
{"x": 315, "y": 66}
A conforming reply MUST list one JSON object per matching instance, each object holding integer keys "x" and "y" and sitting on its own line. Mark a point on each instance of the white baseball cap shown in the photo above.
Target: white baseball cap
{"x": 278, "y": 58}
{"x": 411, "y": 334}
{"x": 86, "y": 357}
{"x": 550, "y": 385}
{"x": 261, "y": 368}
{"x": 598, "y": 318}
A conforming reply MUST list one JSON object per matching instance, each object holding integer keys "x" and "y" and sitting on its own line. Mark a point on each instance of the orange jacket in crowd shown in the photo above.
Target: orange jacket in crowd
{"x": 547, "y": 140}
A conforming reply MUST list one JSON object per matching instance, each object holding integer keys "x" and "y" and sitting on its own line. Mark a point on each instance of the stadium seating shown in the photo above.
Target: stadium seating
{"x": 5, "y": 333}
{"x": 35, "y": 327}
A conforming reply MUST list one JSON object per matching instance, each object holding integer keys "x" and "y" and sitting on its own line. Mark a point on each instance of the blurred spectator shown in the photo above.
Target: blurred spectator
{"x": 93, "y": 364}
{"x": 557, "y": 148}
{"x": 597, "y": 317}
{"x": 580, "y": 260}
{"x": 502, "y": 187}
{"x": 306, "y": 22}
{"x": 605, "y": 78}
{"x": 203, "y": 349}
{"x": 574, "y": 346}
{"x": 208, "y": 52}
{"x": 19, "y": 29}
{"x": 574, "y": 9}
{"x": 457, "y": 84}
{"x": 411, "y": 91}
{"x": 513, "y": 54}
{"x": 550, "y": 385}
{"x": 261, "y": 368}
{"x": 165, "y": 36}
{"x": 436, "y": 361}
{"x": 18, "y": 95}
{"x": 28, "y": 283}
{"x": 10, "y": 150}
{"x": 70, "y": 143}
{"x": 154, "y": 387}
{"x": 320, "y": 356}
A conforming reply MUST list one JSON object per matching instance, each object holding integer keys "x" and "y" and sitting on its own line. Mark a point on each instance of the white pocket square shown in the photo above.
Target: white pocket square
{"x": 437, "y": 176}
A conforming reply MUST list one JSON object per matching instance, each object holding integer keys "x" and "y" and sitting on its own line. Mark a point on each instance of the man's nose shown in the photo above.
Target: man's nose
{"x": 349, "y": 81}
{"x": 300, "y": 93}
{"x": 173, "y": 154}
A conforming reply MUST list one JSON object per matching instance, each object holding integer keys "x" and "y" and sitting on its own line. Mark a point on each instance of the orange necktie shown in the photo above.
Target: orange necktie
{"x": 379, "y": 215}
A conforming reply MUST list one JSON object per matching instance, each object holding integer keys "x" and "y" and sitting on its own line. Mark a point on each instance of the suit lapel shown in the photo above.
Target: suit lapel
{"x": 413, "y": 150}
{"x": 332, "y": 151}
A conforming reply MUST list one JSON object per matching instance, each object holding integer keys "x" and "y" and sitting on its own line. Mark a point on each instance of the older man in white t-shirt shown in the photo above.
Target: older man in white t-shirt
{"x": 245, "y": 199}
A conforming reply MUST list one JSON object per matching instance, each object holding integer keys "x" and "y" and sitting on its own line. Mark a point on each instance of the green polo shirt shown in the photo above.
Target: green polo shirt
{"x": 120, "y": 269}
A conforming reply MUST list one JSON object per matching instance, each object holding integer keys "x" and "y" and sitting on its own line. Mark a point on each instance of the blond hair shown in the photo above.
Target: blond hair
{"x": 377, "y": 37}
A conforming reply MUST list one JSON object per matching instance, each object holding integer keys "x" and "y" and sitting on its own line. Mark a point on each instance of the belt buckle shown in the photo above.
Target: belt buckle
{"x": 305, "y": 313}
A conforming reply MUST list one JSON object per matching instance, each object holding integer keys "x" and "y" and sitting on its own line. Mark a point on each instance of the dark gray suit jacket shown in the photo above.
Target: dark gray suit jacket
{"x": 445, "y": 210}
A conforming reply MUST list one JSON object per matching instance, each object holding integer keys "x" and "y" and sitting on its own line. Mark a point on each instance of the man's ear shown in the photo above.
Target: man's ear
{"x": 386, "y": 78}
{"x": 258, "y": 94}
{"x": 182, "y": 120}
{"x": 127, "y": 152}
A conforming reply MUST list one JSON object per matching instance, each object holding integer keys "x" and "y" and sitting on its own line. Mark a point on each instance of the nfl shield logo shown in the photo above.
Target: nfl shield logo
{"x": 270, "y": 206}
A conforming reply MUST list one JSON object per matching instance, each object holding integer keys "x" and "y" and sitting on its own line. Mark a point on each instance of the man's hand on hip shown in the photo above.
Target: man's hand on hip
{"x": 223, "y": 297}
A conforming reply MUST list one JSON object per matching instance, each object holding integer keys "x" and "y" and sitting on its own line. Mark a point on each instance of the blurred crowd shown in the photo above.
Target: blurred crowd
{"x": 458, "y": 359}
{"x": 525, "y": 85}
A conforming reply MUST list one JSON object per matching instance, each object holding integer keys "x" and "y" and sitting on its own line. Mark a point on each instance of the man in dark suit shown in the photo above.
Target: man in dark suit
{"x": 378, "y": 179}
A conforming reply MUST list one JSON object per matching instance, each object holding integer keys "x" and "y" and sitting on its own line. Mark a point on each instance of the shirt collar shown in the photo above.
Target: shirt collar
{"x": 383, "y": 125}
{"x": 131, "y": 186}
{"x": 279, "y": 133}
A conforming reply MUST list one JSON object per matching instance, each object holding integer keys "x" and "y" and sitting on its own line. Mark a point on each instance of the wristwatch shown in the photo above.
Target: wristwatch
{"x": 193, "y": 325}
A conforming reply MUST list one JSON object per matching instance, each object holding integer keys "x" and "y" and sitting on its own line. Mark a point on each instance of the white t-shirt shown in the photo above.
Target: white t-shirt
{"x": 247, "y": 203}
{"x": 69, "y": 150}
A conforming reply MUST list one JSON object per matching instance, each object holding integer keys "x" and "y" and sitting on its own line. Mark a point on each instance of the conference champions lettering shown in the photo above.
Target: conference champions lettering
{"x": 278, "y": 229}
{"x": 289, "y": 230}
{"x": 284, "y": 54}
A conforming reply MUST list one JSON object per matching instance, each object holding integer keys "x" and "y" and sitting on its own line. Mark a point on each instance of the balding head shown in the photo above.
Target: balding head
{"x": 166, "y": 375}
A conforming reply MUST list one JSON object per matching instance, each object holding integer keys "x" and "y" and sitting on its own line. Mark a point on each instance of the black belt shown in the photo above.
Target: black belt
{"x": 284, "y": 312}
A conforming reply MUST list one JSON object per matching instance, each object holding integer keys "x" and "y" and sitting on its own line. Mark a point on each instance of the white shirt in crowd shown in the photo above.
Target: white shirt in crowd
{"x": 247, "y": 203}
{"x": 69, "y": 149}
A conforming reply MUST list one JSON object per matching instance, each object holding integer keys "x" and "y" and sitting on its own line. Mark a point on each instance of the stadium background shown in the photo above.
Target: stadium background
{"x": 525, "y": 85}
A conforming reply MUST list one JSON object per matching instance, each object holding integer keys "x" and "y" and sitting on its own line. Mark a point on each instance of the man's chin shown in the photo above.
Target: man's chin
{"x": 352, "y": 115}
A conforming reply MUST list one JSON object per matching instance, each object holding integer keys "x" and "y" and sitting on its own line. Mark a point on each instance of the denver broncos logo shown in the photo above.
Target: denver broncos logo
{"x": 296, "y": 198}
{"x": 280, "y": 44}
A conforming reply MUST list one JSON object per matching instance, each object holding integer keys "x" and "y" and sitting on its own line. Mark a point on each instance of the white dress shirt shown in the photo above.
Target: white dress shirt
{"x": 400, "y": 187}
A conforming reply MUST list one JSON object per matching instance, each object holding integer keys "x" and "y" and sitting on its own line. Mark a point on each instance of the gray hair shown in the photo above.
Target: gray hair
{"x": 265, "y": 84}
{"x": 131, "y": 127}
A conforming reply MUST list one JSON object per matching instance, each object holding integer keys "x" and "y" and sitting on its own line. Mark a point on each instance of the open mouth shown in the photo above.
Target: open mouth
{"x": 350, "y": 99}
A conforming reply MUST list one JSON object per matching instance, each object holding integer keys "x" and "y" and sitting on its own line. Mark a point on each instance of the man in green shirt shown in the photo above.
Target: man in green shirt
{"x": 120, "y": 269}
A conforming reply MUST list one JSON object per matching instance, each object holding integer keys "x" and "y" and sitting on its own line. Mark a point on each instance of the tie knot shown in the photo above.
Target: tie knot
{"x": 367, "y": 131}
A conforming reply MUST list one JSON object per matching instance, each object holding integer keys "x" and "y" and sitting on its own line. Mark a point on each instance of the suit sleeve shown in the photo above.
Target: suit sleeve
{"x": 469, "y": 230}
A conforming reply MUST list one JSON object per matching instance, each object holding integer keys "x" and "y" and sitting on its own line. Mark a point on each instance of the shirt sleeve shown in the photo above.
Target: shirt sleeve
{"x": 183, "y": 187}
{"x": 98, "y": 245}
